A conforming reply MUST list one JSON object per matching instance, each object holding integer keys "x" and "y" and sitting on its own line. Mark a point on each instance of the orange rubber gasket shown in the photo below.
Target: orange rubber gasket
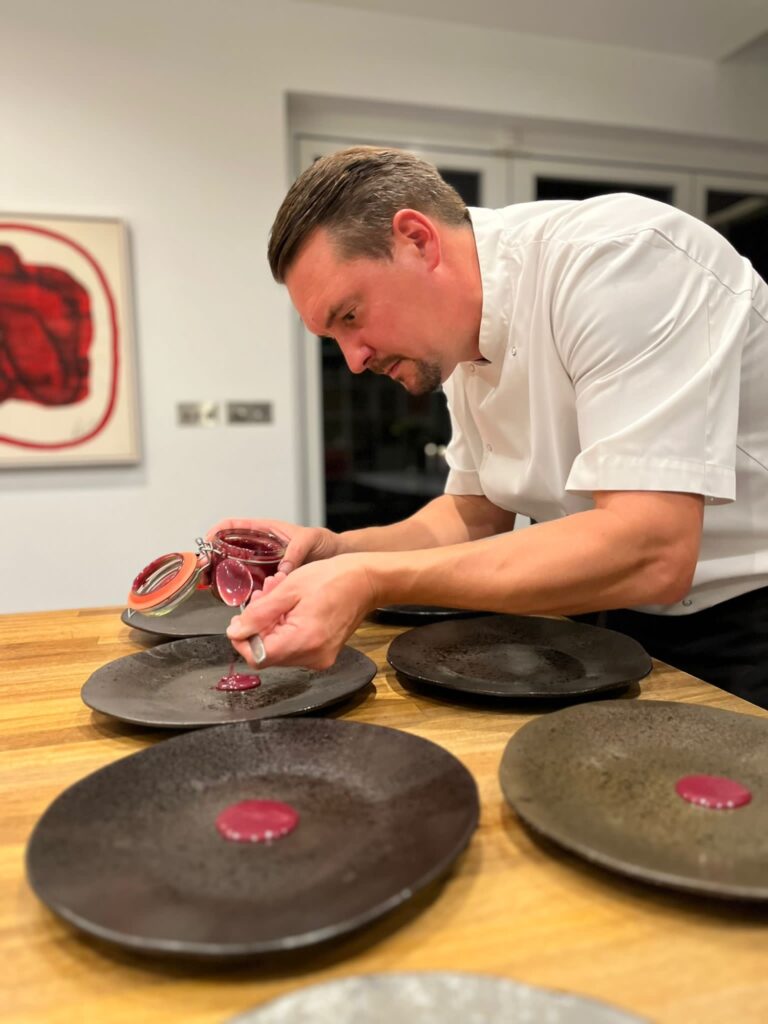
{"x": 185, "y": 572}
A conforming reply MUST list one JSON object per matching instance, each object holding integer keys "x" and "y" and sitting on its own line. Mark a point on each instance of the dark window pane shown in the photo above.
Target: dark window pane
{"x": 743, "y": 218}
{"x": 466, "y": 183}
{"x": 376, "y": 468}
{"x": 571, "y": 188}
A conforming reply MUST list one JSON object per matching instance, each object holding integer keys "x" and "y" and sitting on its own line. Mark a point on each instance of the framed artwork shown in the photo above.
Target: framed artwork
{"x": 67, "y": 376}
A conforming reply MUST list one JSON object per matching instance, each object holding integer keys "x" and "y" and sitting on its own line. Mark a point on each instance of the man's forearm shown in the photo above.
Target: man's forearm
{"x": 448, "y": 519}
{"x": 588, "y": 561}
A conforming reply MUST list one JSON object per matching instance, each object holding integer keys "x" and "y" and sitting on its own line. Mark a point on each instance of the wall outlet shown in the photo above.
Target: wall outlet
{"x": 249, "y": 412}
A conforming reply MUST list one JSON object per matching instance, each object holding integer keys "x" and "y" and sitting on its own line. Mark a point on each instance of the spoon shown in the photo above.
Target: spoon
{"x": 235, "y": 585}
{"x": 233, "y": 582}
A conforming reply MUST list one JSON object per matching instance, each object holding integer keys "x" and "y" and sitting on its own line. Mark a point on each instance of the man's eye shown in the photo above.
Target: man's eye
{"x": 349, "y": 317}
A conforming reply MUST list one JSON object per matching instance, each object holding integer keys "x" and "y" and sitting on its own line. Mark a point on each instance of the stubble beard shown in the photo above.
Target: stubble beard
{"x": 425, "y": 377}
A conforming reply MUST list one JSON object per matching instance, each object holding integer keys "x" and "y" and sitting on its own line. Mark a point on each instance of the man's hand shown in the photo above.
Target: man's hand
{"x": 305, "y": 543}
{"x": 305, "y": 618}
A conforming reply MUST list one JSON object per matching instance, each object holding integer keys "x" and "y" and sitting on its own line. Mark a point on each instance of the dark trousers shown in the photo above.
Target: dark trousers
{"x": 726, "y": 645}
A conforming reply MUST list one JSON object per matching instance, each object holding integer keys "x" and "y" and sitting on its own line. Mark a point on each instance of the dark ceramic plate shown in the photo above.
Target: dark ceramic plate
{"x": 173, "y": 686}
{"x": 421, "y": 614}
{"x": 600, "y": 780}
{"x": 131, "y": 855}
{"x": 513, "y": 656}
{"x": 200, "y": 615}
{"x": 434, "y": 997}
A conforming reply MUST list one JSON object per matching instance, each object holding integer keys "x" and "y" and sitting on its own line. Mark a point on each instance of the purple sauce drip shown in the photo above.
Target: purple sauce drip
{"x": 715, "y": 792}
{"x": 233, "y": 582}
{"x": 257, "y": 821}
{"x": 238, "y": 681}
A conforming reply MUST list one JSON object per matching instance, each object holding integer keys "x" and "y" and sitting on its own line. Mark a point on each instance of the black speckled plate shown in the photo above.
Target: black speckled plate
{"x": 200, "y": 615}
{"x": 599, "y": 779}
{"x": 131, "y": 855}
{"x": 511, "y": 656}
{"x": 421, "y": 614}
{"x": 432, "y": 997}
{"x": 173, "y": 686}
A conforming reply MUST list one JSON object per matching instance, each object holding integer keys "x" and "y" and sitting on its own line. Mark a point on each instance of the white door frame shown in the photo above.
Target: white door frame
{"x": 524, "y": 172}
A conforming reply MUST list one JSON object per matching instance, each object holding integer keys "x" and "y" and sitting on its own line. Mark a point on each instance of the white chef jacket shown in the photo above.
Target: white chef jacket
{"x": 625, "y": 347}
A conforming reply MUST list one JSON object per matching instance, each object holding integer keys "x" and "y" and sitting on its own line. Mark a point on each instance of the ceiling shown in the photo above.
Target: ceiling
{"x": 716, "y": 30}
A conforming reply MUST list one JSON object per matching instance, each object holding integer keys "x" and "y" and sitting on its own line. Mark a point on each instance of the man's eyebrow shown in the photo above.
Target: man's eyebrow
{"x": 348, "y": 300}
{"x": 333, "y": 314}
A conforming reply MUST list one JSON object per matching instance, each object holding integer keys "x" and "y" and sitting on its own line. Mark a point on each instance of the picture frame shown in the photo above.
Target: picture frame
{"x": 68, "y": 392}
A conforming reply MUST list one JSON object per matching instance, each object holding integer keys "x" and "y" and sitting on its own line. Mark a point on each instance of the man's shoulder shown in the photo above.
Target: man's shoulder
{"x": 601, "y": 218}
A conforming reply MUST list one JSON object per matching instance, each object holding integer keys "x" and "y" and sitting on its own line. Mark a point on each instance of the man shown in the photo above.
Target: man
{"x": 605, "y": 364}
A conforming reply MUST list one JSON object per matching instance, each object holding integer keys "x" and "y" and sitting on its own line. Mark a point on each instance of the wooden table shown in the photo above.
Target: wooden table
{"x": 509, "y": 908}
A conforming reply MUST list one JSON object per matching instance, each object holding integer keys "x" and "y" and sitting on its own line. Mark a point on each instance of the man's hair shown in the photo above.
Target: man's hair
{"x": 354, "y": 194}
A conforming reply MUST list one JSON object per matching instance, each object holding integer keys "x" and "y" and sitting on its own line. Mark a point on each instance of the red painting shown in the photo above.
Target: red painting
{"x": 65, "y": 381}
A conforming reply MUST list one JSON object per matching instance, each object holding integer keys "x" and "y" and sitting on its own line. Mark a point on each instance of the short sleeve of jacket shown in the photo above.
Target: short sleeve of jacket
{"x": 652, "y": 343}
{"x": 461, "y": 453}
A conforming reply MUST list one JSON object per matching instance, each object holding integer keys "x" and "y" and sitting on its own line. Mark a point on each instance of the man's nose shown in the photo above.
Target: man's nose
{"x": 357, "y": 355}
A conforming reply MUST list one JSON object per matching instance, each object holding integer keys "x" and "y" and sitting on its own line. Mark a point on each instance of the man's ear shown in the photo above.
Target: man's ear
{"x": 414, "y": 231}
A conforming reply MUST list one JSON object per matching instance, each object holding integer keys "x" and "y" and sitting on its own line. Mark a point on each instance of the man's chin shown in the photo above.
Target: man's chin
{"x": 417, "y": 390}
{"x": 421, "y": 378}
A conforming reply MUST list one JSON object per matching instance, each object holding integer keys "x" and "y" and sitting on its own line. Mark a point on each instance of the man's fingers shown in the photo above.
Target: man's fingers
{"x": 253, "y": 651}
{"x": 243, "y": 648}
{"x": 310, "y": 543}
{"x": 286, "y": 647}
{"x": 273, "y": 648}
{"x": 272, "y": 581}
{"x": 296, "y": 551}
{"x": 261, "y": 615}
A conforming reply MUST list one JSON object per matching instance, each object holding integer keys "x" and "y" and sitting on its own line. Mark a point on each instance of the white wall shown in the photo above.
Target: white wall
{"x": 171, "y": 114}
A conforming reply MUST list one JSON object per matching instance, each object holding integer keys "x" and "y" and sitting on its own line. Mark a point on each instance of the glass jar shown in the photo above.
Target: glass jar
{"x": 260, "y": 551}
{"x": 167, "y": 581}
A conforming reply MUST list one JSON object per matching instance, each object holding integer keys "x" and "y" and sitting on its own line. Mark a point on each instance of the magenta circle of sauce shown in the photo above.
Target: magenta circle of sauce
{"x": 257, "y": 821}
{"x": 715, "y": 792}
{"x": 238, "y": 681}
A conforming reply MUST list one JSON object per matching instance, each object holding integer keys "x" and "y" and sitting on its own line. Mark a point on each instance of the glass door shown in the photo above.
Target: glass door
{"x": 374, "y": 453}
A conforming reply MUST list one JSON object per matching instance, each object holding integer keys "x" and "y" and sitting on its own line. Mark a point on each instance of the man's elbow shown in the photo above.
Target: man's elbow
{"x": 672, "y": 577}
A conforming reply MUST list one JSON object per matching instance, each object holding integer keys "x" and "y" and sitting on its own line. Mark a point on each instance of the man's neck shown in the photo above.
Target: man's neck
{"x": 468, "y": 283}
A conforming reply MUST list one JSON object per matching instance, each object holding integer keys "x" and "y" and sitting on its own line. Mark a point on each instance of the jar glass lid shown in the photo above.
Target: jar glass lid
{"x": 165, "y": 581}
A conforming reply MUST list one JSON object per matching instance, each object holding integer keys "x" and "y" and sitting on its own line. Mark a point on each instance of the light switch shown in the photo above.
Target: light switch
{"x": 197, "y": 414}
